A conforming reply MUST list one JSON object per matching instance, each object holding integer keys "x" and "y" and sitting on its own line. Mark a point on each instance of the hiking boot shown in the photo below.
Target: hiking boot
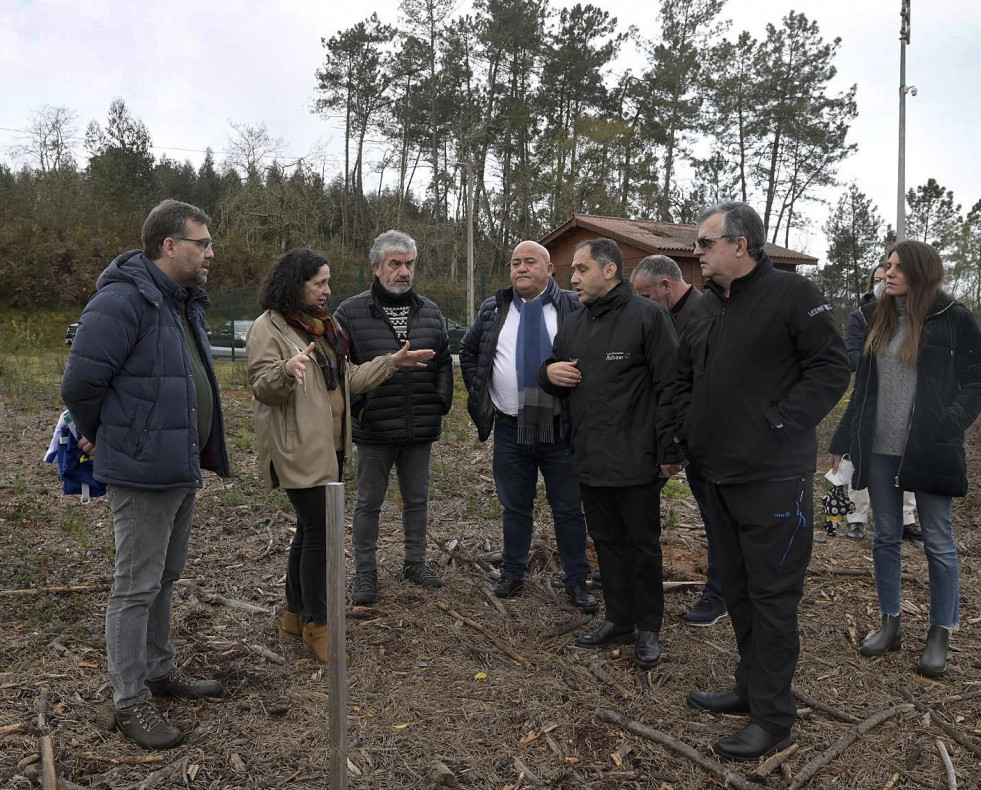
{"x": 422, "y": 575}
{"x": 856, "y": 531}
{"x": 143, "y": 725}
{"x": 365, "y": 588}
{"x": 177, "y": 684}
{"x": 508, "y": 587}
{"x": 289, "y": 625}
{"x": 708, "y": 611}
{"x": 912, "y": 531}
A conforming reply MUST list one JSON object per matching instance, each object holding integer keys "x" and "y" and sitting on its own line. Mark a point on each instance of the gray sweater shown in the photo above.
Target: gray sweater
{"x": 897, "y": 386}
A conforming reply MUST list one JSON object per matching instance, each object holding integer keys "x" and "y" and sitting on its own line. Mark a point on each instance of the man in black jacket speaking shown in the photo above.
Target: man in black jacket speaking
{"x": 615, "y": 362}
{"x": 761, "y": 363}
{"x": 396, "y": 423}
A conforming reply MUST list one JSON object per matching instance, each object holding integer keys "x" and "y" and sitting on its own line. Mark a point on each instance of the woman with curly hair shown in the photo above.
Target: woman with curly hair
{"x": 302, "y": 382}
{"x": 917, "y": 390}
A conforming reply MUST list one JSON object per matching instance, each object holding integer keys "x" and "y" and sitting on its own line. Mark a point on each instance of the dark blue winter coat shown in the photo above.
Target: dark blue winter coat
{"x": 479, "y": 345}
{"x": 129, "y": 383}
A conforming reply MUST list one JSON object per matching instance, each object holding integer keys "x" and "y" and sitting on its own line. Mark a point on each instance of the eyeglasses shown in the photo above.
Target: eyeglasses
{"x": 204, "y": 244}
{"x": 704, "y": 242}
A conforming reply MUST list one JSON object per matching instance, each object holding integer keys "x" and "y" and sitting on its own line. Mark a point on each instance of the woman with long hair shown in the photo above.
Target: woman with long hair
{"x": 302, "y": 382}
{"x": 917, "y": 390}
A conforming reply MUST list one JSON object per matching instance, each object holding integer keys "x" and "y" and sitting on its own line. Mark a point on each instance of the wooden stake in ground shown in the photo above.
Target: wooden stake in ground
{"x": 336, "y": 638}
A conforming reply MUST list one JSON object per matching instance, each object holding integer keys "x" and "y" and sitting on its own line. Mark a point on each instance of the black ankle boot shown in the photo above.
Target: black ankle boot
{"x": 933, "y": 662}
{"x": 886, "y": 639}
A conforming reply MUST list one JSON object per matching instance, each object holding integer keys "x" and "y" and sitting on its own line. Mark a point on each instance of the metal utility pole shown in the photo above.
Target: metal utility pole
{"x": 903, "y": 90}
{"x": 469, "y": 174}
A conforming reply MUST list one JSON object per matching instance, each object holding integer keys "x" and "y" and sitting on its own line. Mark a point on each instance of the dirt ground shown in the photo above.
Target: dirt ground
{"x": 426, "y": 688}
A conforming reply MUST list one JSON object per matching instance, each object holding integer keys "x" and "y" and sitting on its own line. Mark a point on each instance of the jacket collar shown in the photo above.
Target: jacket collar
{"x": 763, "y": 266}
{"x": 619, "y": 296}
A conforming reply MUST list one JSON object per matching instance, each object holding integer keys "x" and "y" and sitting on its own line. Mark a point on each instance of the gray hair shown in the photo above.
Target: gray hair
{"x": 740, "y": 219}
{"x": 604, "y": 251}
{"x": 391, "y": 241}
{"x": 656, "y": 267}
{"x": 168, "y": 220}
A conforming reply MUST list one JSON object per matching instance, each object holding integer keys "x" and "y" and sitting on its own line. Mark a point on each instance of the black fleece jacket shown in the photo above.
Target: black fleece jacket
{"x": 947, "y": 401}
{"x": 758, "y": 370}
{"x": 622, "y": 416}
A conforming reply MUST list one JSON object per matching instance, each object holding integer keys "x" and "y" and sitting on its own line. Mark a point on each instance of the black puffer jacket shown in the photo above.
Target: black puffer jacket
{"x": 757, "y": 372}
{"x": 409, "y": 407}
{"x": 622, "y": 415}
{"x": 947, "y": 401}
{"x": 479, "y": 345}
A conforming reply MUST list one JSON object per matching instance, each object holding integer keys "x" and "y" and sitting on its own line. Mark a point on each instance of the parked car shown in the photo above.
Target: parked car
{"x": 70, "y": 334}
{"x": 231, "y": 334}
{"x": 456, "y": 332}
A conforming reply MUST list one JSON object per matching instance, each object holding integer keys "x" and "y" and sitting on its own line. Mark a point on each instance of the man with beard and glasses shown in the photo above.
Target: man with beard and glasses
{"x": 396, "y": 423}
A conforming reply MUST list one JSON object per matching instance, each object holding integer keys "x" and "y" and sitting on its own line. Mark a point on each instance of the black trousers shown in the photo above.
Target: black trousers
{"x": 764, "y": 534}
{"x": 625, "y": 525}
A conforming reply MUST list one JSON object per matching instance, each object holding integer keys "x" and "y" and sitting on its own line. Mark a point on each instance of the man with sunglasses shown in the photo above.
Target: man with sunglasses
{"x": 141, "y": 386}
{"x": 760, "y": 364}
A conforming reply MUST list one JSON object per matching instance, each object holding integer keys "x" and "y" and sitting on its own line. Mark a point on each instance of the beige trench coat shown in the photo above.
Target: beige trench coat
{"x": 293, "y": 422}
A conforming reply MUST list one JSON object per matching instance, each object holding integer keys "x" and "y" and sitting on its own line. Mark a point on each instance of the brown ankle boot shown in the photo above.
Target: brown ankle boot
{"x": 289, "y": 625}
{"x": 315, "y": 638}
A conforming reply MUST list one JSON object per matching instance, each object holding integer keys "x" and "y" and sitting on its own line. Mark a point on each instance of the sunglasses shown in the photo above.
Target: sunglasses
{"x": 704, "y": 242}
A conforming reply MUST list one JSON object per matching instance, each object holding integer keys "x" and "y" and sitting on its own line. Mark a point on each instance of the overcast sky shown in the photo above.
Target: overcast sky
{"x": 188, "y": 72}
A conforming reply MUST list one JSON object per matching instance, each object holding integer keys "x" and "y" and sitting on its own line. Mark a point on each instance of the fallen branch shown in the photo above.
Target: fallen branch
{"x": 486, "y": 591}
{"x": 948, "y": 765}
{"x": 62, "y": 590}
{"x": 10, "y": 729}
{"x": 771, "y": 763}
{"x": 838, "y": 748}
{"x": 478, "y": 627}
{"x": 833, "y": 712}
{"x": 947, "y": 729}
{"x": 892, "y": 781}
{"x": 231, "y": 603}
{"x": 457, "y": 552}
{"x": 266, "y": 653}
{"x": 572, "y": 625}
{"x": 860, "y": 572}
{"x": 714, "y": 767}
{"x": 272, "y": 541}
{"x": 143, "y": 759}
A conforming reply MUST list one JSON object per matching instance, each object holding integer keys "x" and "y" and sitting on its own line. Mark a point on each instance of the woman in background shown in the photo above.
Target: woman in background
{"x": 302, "y": 382}
{"x": 918, "y": 389}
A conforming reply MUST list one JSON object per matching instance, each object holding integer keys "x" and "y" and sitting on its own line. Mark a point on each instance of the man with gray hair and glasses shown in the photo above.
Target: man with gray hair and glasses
{"x": 760, "y": 364}
{"x": 397, "y": 422}
{"x": 657, "y": 277}
{"x": 141, "y": 386}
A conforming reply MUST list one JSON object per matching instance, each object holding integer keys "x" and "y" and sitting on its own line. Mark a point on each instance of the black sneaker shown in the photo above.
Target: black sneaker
{"x": 422, "y": 575}
{"x": 708, "y": 611}
{"x": 365, "y": 588}
{"x": 178, "y": 684}
{"x": 143, "y": 725}
{"x": 912, "y": 531}
{"x": 581, "y": 597}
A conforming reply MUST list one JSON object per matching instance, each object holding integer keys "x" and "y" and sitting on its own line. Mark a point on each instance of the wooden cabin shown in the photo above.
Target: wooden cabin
{"x": 640, "y": 238}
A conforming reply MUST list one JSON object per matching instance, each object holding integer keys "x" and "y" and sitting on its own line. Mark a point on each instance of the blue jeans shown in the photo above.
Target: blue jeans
{"x": 516, "y": 477}
{"x": 938, "y": 542}
{"x": 375, "y": 462}
{"x": 152, "y": 530}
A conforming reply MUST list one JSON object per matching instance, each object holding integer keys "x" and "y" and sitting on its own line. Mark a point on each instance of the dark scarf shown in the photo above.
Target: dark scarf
{"x": 537, "y": 409}
{"x": 318, "y": 325}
